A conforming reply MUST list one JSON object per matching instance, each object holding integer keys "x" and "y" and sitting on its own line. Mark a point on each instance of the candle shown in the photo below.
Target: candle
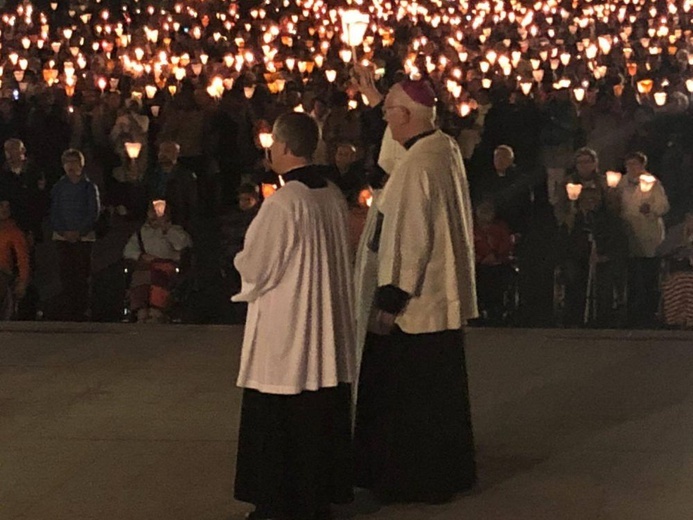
{"x": 354, "y": 27}
{"x": 268, "y": 190}
{"x": 660, "y": 98}
{"x": 266, "y": 140}
{"x": 647, "y": 181}
{"x": 573, "y": 190}
{"x": 365, "y": 198}
{"x": 613, "y": 178}
{"x": 133, "y": 149}
{"x": 159, "y": 207}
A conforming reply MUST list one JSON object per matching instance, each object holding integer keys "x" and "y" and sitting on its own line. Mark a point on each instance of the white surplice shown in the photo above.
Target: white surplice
{"x": 297, "y": 278}
{"x": 426, "y": 246}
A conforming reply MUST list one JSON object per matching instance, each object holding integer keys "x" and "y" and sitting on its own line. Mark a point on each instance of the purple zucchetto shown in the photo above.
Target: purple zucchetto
{"x": 420, "y": 91}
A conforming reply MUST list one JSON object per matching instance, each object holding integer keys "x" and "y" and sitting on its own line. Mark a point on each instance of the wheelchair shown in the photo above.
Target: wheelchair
{"x": 172, "y": 312}
{"x": 501, "y": 304}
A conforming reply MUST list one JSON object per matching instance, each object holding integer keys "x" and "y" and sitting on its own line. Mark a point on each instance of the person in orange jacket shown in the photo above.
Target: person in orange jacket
{"x": 14, "y": 261}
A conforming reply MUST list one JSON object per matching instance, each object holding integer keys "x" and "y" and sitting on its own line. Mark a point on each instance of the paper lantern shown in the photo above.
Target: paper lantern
{"x": 354, "y": 27}
{"x": 133, "y": 149}
{"x": 660, "y": 98}
{"x": 365, "y": 199}
{"x": 647, "y": 182}
{"x": 613, "y": 178}
{"x": 573, "y": 190}
{"x": 266, "y": 140}
{"x": 268, "y": 190}
{"x": 159, "y": 207}
{"x": 645, "y": 86}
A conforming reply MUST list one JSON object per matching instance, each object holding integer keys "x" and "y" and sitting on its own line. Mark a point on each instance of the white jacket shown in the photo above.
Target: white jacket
{"x": 427, "y": 244}
{"x": 645, "y": 231}
{"x": 164, "y": 246}
{"x": 297, "y": 277}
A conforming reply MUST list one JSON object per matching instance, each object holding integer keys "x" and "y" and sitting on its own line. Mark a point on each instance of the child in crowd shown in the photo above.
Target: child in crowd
{"x": 233, "y": 230}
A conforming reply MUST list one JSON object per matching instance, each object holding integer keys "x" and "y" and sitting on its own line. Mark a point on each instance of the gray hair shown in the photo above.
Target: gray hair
{"x": 170, "y": 143}
{"x": 585, "y": 151}
{"x": 507, "y": 149}
{"x": 299, "y": 132}
{"x": 417, "y": 110}
{"x": 15, "y": 141}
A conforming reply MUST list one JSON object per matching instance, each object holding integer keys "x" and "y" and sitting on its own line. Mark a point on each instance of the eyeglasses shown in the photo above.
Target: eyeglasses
{"x": 386, "y": 109}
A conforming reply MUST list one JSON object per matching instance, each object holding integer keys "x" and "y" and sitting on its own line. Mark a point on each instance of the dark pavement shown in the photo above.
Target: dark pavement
{"x": 139, "y": 422}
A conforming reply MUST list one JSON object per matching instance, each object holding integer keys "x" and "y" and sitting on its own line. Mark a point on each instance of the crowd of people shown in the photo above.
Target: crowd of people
{"x": 360, "y": 201}
{"x": 529, "y": 234}
{"x": 170, "y": 101}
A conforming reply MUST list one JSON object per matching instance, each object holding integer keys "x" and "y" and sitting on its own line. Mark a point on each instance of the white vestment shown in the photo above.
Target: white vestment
{"x": 297, "y": 277}
{"x": 426, "y": 244}
{"x": 366, "y": 268}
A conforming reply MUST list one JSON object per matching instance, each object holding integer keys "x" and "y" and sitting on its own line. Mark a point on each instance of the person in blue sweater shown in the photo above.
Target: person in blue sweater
{"x": 75, "y": 208}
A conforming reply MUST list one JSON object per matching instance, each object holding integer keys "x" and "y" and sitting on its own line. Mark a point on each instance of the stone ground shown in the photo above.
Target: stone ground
{"x": 129, "y": 422}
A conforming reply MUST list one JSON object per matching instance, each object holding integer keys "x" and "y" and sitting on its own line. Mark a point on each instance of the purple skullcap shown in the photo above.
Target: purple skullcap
{"x": 420, "y": 91}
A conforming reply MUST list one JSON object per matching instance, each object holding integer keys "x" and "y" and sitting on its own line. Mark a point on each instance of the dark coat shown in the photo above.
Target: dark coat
{"x": 178, "y": 188}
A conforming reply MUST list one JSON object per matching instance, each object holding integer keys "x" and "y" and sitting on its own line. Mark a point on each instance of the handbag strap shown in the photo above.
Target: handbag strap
{"x": 140, "y": 241}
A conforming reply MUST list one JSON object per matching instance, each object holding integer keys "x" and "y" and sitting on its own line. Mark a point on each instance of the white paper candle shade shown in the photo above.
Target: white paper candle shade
{"x": 613, "y": 178}
{"x": 573, "y": 190}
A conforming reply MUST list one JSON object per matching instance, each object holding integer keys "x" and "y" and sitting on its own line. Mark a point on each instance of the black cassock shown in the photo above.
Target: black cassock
{"x": 413, "y": 438}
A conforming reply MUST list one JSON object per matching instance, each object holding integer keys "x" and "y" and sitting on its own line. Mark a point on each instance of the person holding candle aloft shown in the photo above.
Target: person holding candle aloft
{"x": 586, "y": 173}
{"x": 177, "y": 185}
{"x": 592, "y": 238}
{"x": 131, "y": 126}
{"x": 643, "y": 204}
{"x": 413, "y": 437}
{"x": 297, "y": 360}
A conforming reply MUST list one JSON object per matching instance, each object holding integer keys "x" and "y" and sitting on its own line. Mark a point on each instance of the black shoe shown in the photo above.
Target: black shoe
{"x": 262, "y": 513}
{"x": 430, "y": 498}
{"x": 324, "y": 514}
{"x": 438, "y": 498}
